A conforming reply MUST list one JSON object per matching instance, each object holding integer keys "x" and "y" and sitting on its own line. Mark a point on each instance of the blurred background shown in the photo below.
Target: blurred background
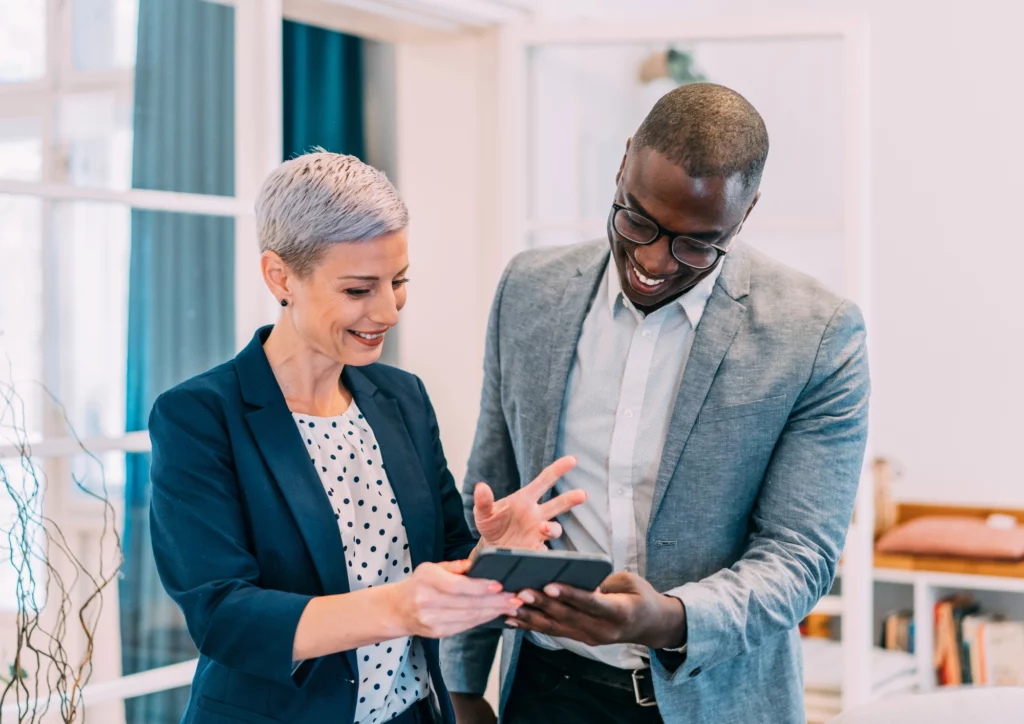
{"x": 134, "y": 135}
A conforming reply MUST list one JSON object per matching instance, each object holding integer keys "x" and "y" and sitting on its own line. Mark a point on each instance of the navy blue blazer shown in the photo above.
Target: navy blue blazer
{"x": 244, "y": 535}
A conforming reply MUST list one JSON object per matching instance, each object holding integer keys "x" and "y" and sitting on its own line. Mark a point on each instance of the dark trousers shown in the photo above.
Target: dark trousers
{"x": 548, "y": 689}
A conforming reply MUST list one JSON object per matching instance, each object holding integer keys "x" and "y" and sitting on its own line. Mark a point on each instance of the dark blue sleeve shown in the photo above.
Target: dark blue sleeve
{"x": 202, "y": 547}
{"x": 458, "y": 540}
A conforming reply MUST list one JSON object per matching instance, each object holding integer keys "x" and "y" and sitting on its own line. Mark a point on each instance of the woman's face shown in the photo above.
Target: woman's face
{"x": 343, "y": 309}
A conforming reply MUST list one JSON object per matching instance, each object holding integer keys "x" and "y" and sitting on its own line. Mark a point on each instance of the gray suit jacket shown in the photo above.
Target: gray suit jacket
{"x": 757, "y": 479}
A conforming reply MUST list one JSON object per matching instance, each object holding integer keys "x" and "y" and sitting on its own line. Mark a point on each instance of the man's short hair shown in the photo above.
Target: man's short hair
{"x": 709, "y": 130}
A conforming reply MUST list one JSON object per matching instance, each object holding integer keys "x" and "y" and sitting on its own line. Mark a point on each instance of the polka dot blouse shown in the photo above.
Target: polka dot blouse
{"x": 392, "y": 674}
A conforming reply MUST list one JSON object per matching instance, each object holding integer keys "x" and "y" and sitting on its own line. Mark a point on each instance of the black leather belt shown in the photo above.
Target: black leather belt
{"x": 639, "y": 682}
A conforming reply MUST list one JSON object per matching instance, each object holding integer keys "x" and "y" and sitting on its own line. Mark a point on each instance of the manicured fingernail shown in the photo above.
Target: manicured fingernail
{"x": 515, "y": 603}
{"x": 512, "y": 623}
{"x": 551, "y": 590}
{"x": 494, "y": 588}
{"x": 527, "y": 597}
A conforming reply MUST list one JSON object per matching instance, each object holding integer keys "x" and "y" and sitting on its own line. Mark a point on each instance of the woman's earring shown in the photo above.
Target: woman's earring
{"x": 284, "y": 302}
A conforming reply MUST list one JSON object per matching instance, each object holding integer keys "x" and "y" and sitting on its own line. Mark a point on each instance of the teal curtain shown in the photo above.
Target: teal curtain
{"x": 323, "y": 91}
{"x": 181, "y": 287}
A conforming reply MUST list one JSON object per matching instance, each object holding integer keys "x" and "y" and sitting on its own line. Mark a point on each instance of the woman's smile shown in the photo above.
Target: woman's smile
{"x": 370, "y": 339}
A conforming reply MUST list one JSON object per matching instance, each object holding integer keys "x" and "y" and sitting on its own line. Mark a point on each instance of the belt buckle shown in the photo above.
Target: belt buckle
{"x": 638, "y": 675}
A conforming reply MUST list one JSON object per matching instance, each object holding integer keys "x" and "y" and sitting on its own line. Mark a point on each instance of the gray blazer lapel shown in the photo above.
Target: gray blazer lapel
{"x": 565, "y": 334}
{"x": 715, "y": 333}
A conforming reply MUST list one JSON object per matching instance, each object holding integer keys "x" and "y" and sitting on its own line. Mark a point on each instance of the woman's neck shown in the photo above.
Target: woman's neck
{"x": 310, "y": 381}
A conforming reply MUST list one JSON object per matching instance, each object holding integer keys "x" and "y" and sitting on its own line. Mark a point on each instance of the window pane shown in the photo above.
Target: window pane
{"x": 91, "y": 255}
{"x": 104, "y": 33}
{"x": 21, "y": 318}
{"x": 170, "y": 275}
{"x": 95, "y": 132}
{"x": 22, "y": 40}
{"x": 100, "y": 476}
{"x": 21, "y": 149}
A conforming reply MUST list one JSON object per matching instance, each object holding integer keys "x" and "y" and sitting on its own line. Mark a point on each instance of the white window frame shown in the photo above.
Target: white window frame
{"x": 258, "y": 148}
{"x": 257, "y": 151}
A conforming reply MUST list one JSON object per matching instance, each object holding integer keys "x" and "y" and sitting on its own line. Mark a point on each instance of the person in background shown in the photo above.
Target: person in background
{"x": 303, "y": 515}
{"x": 717, "y": 403}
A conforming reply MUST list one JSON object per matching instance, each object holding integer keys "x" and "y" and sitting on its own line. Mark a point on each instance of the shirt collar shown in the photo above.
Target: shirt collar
{"x": 692, "y": 302}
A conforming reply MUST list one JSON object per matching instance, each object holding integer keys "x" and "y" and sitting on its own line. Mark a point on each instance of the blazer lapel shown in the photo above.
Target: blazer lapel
{"x": 282, "y": 448}
{"x": 565, "y": 335}
{"x": 416, "y": 498}
{"x": 714, "y": 335}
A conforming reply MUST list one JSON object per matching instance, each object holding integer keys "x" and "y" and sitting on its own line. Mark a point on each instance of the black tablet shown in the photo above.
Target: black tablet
{"x": 517, "y": 569}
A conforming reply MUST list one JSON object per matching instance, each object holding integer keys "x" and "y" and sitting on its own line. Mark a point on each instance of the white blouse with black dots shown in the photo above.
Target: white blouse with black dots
{"x": 392, "y": 674}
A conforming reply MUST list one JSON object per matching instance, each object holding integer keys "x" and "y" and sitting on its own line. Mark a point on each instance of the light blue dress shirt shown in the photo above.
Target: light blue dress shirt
{"x": 615, "y": 416}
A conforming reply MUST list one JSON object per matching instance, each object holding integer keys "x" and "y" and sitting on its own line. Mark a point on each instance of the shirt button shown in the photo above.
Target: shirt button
{"x": 647, "y": 333}
{"x": 622, "y": 491}
{"x": 628, "y": 414}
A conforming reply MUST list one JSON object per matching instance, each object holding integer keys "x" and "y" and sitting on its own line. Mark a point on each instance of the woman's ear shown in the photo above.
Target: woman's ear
{"x": 276, "y": 275}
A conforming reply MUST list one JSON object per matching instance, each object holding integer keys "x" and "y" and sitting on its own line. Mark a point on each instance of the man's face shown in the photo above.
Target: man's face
{"x": 709, "y": 209}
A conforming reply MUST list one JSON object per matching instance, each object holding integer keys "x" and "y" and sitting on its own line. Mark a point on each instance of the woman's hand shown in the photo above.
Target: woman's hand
{"x": 520, "y": 520}
{"x": 437, "y": 600}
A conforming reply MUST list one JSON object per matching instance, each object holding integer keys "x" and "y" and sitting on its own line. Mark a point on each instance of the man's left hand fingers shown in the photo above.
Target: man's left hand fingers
{"x": 562, "y": 504}
{"x": 538, "y": 621}
{"x": 620, "y": 582}
{"x": 590, "y": 603}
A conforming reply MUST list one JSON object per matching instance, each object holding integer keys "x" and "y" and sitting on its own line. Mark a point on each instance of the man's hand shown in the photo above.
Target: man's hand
{"x": 624, "y": 610}
{"x": 521, "y": 520}
{"x": 472, "y": 709}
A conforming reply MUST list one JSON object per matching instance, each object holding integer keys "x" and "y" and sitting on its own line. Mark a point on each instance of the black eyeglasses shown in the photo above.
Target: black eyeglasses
{"x": 644, "y": 230}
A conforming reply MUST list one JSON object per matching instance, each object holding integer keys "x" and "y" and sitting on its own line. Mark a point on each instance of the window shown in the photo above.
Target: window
{"x": 77, "y": 189}
{"x": 22, "y": 40}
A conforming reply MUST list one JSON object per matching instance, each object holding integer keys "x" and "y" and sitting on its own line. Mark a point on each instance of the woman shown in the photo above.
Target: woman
{"x": 303, "y": 515}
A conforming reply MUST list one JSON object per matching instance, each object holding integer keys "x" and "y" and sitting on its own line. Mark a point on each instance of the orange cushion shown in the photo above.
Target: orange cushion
{"x": 954, "y": 536}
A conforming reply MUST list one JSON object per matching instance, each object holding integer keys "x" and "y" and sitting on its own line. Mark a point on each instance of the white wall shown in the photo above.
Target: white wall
{"x": 448, "y": 175}
{"x": 947, "y": 336}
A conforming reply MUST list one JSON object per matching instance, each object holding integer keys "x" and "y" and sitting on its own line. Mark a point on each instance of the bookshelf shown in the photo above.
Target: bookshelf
{"x": 928, "y": 587}
{"x": 999, "y": 585}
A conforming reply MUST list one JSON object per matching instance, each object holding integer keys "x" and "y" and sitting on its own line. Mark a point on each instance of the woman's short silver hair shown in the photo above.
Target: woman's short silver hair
{"x": 318, "y": 199}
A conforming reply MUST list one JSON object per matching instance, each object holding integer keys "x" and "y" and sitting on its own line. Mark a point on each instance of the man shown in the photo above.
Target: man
{"x": 717, "y": 403}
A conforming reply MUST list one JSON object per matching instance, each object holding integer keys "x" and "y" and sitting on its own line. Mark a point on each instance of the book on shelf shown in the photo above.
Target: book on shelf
{"x": 1000, "y": 648}
{"x": 898, "y": 632}
{"x": 950, "y": 667}
{"x": 976, "y": 648}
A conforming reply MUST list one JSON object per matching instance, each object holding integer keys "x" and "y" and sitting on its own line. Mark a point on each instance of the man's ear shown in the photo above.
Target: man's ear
{"x": 750, "y": 208}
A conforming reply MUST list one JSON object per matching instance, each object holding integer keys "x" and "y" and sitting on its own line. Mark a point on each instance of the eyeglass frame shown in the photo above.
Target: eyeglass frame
{"x": 672, "y": 236}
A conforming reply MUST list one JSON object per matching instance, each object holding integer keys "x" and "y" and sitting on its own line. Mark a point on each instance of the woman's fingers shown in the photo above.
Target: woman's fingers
{"x": 457, "y": 605}
{"x": 504, "y": 602}
{"x": 443, "y": 579}
{"x": 549, "y": 476}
